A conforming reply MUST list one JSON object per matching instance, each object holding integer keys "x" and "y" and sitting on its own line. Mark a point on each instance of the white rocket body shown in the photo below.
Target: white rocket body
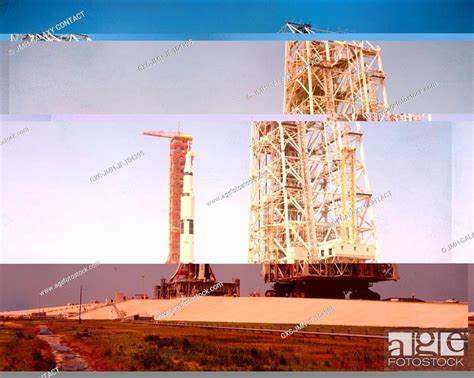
{"x": 186, "y": 244}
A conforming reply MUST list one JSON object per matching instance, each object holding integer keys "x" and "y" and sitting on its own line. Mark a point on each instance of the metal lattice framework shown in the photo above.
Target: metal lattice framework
{"x": 301, "y": 28}
{"x": 179, "y": 145}
{"x": 309, "y": 194}
{"x": 48, "y": 37}
{"x": 310, "y": 213}
{"x": 330, "y": 77}
{"x": 354, "y": 272}
{"x": 297, "y": 28}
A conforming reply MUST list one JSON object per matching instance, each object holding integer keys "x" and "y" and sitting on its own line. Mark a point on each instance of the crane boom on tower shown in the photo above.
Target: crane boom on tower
{"x": 169, "y": 135}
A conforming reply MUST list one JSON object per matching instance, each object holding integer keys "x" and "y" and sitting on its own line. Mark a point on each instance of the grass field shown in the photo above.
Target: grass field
{"x": 112, "y": 345}
{"x": 21, "y": 350}
{"x": 115, "y": 346}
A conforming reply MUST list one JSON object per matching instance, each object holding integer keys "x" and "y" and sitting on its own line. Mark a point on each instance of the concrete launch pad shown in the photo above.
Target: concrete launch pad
{"x": 286, "y": 311}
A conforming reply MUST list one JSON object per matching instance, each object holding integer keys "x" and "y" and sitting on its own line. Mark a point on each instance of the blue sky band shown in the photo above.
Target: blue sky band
{"x": 199, "y": 20}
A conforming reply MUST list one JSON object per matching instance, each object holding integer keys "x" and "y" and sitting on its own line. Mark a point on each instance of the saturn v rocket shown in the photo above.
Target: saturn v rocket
{"x": 188, "y": 276}
{"x": 186, "y": 244}
{"x": 187, "y": 268}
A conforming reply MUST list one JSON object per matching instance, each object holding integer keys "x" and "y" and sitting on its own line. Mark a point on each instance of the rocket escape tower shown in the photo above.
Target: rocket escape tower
{"x": 311, "y": 224}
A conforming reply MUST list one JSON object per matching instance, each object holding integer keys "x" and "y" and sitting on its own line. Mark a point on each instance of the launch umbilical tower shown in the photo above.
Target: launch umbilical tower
{"x": 311, "y": 224}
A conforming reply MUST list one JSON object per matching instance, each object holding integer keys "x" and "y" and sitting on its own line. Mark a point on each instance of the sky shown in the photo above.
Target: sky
{"x": 421, "y": 280}
{"x": 208, "y": 77}
{"x": 53, "y": 213}
{"x": 463, "y": 188}
{"x": 244, "y": 16}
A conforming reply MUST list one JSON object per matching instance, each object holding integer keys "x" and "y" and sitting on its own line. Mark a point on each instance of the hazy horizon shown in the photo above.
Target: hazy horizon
{"x": 421, "y": 280}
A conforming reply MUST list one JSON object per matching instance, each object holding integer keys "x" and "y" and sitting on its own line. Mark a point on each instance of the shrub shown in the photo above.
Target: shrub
{"x": 186, "y": 343}
{"x": 152, "y": 338}
{"x": 20, "y": 335}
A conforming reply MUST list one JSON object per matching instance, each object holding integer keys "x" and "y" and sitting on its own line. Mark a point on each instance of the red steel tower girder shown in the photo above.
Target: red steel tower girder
{"x": 179, "y": 145}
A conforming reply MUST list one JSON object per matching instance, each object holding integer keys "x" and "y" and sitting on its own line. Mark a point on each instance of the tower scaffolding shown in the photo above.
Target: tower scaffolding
{"x": 312, "y": 199}
{"x": 330, "y": 77}
{"x": 180, "y": 144}
{"x": 311, "y": 223}
{"x": 344, "y": 80}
